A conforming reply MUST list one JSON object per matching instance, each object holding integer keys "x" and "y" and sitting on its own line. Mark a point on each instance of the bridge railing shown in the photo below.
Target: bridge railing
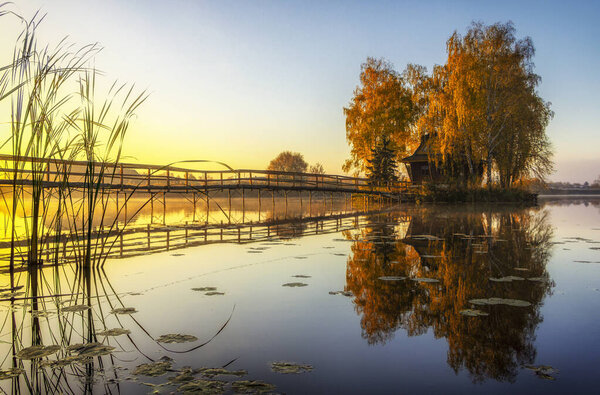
{"x": 144, "y": 176}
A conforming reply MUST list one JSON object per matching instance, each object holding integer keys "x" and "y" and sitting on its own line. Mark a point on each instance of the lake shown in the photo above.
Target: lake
{"x": 405, "y": 299}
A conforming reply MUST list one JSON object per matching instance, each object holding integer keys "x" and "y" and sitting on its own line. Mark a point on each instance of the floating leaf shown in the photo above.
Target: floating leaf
{"x": 212, "y": 372}
{"x": 153, "y": 369}
{"x": 294, "y": 285}
{"x": 212, "y": 293}
{"x": 40, "y": 313}
{"x": 176, "y": 338}
{"x": 344, "y": 293}
{"x": 539, "y": 279}
{"x": 249, "y": 387}
{"x": 11, "y": 295}
{"x": 90, "y": 349}
{"x": 290, "y": 367}
{"x": 205, "y": 289}
{"x": 200, "y": 386}
{"x": 300, "y": 257}
{"x": 124, "y": 310}
{"x": 392, "y": 278}
{"x": 425, "y": 280}
{"x": 183, "y": 377}
{"x": 543, "y": 371}
{"x": 339, "y": 254}
{"x": 61, "y": 363}
{"x": 542, "y": 368}
{"x": 5, "y": 289}
{"x": 40, "y": 351}
{"x": 10, "y": 373}
{"x": 301, "y": 276}
{"x": 254, "y": 252}
{"x": 76, "y": 308}
{"x": 473, "y": 313}
{"x": 114, "y": 332}
{"x": 495, "y": 301}
{"x": 506, "y": 279}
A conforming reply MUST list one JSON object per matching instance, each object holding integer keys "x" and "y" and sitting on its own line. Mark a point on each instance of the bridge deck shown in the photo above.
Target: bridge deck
{"x": 53, "y": 173}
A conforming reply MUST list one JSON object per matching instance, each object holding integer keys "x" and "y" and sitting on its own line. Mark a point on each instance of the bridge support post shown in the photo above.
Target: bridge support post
{"x": 243, "y": 206}
{"x": 152, "y": 208}
{"x": 229, "y": 200}
{"x": 194, "y": 200}
{"x": 259, "y": 205}
{"x": 207, "y": 206}
{"x": 164, "y": 208}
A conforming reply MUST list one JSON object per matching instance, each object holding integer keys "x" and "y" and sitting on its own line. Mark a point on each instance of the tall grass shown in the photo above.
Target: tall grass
{"x": 55, "y": 115}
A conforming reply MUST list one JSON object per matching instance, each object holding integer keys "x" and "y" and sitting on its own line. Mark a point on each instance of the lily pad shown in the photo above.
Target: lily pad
{"x": 538, "y": 279}
{"x": 294, "y": 285}
{"x": 213, "y": 293}
{"x": 200, "y": 386}
{"x": 425, "y": 280}
{"x": 344, "y": 293}
{"x": 203, "y": 289}
{"x": 392, "y": 278}
{"x": 153, "y": 369}
{"x": 176, "y": 338}
{"x": 61, "y": 363}
{"x": 290, "y": 367}
{"x": 252, "y": 387}
{"x": 212, "y": 372}
{"x": 114, "y": 332}
{"x": 10, "y": 373}
{"x": 90, "y": 349}
{"x": 254, "y": 252}
{"x": 300, "y": 257}
{"x": 301, "y": 276}
{"x": 76, "y": 308}
{"x": 184, "y": 376}
{"x": 506, "y": 279}
{"x": 473, "y": 313}
{"x": 495, "y": 301}
{"x": 11, "y": 295}
{"x": 40, "y": 313}
{"x": 35, "y": 352}
{"x": 543, "y": 371}
{"x": 124, "y": 310}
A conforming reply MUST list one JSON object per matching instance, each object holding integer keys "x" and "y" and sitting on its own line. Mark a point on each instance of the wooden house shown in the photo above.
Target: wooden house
{"x": 420, "y": 168}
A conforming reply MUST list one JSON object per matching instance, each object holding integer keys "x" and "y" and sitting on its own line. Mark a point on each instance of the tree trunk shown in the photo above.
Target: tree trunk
{"x": 489, "y": 169}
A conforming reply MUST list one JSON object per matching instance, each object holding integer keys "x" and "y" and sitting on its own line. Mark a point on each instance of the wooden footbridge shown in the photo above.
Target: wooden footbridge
{"x": 140, "y": 178}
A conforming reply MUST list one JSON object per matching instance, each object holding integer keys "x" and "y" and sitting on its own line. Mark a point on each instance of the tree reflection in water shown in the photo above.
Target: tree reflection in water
{"x": 462, "y": 248}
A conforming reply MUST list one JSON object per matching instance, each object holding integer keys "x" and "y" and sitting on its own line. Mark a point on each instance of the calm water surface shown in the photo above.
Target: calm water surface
{"x": 404, "y": 334}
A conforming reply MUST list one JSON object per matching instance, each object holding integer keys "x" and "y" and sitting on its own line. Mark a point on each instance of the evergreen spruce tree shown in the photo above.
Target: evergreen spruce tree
{"x": 382, "y": 166}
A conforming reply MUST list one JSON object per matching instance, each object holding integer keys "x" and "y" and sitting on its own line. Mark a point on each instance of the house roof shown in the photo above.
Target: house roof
{"x": 421, "y": 154}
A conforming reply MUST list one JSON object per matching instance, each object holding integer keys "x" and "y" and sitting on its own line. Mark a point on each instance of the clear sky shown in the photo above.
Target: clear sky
{"x": 240, "y": 81}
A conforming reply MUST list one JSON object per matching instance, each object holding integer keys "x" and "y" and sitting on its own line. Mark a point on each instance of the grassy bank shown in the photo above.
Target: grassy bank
{"x": 453, "y": 194}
